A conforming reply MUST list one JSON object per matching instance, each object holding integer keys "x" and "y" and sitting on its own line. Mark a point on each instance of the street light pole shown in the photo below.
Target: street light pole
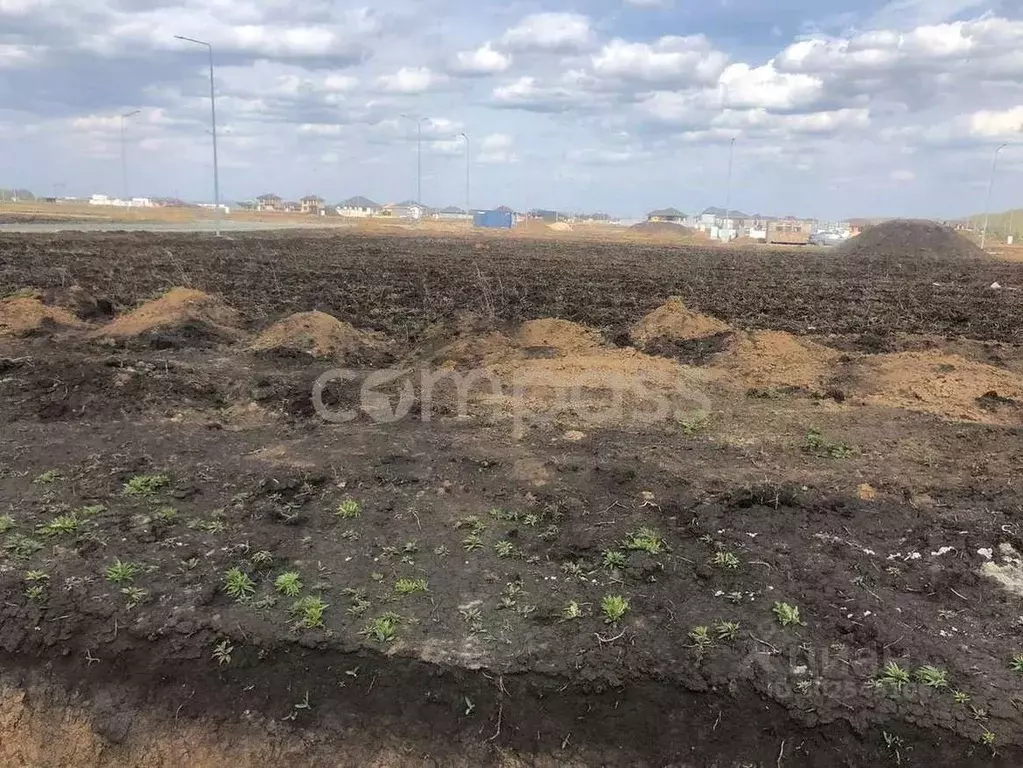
{"x": 728, "y": 185}
{"x": 124, "y": 156}
{"x": 468, "y": 208}
{"x": 990, "y": 187}
{"x": 213, "y": 115}
{"x": 419, "y": 154}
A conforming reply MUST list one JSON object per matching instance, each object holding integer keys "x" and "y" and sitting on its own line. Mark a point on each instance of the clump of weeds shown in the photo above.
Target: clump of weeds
{"x": 239, "y": 584}
{"x": 410, "y": 586}
{"x": 645, "y": 540}
{"x": 816, "y": 444}
{"x": 383, "y": 629}
{"x": 787, "y": 615}
{"x": 309, "y": 611}
{"x": 349, "y": 509}
{"x": 120, "y": 572}
{"x": 289, "y": 584}
{"x": 145, "y": 486}
{"x": 614, "y": 608}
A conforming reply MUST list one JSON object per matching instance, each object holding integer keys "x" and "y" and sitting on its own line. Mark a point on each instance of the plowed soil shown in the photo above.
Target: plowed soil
{"x": 791, "y": 546}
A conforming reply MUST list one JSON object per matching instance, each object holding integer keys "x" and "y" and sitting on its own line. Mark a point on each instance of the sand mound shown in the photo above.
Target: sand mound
{"x": 673, "y": 321}
{"x": 560, "y": 226}
{"x": 943, "y": 384}
{"x": 777, "y": 359}
{"x": 25, "y": 315}
{"x": 902, "y": 238}
{"x": 554, "y": 370}
{"x": 193, "y": 315}
{"x": 317, "y": 334}
{"x": 562, "y": 335}
{"x": 661, "y": 228}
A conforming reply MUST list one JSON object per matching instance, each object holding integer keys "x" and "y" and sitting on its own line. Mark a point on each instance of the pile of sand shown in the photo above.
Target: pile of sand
{"x": 777, "y": 359}
{"x": 191, "y": 314}
{"x": 947, "y": 385}
{"x": 906, "y": 238}
{"x": 553, "y": 370}
{"x": 675, "y": 322}
{"x": 560, "y": 226}
{"x": 661, "y": 229}
{"x": 317, "y": 334}
{"x": 26, "y": 315}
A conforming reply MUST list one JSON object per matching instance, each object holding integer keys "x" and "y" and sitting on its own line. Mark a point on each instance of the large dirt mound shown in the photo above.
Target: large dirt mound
{"x": 902, "y": 238}
{"x": 556, "y": 370}
{"x": 317, "y": 334}
{"x": 943, "y": 384}
{"x": 777, "y": 359}
{"x": 661, "y": 229}
{"x": 27, "y": 315}
{"x": 676, "y": 322}
{"x": 181, "y": 316}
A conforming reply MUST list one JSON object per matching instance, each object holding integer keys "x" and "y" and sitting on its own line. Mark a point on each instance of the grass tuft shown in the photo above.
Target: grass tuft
{"x": 120, "y": 572}
{"x": 614, "y": 607}
{"x": 145, "y": 486}
{"x": 349, "y": 509}
{"x": 787, "y": 615}
{"x": 289, "y": 584}
{"x": 239, "y": 584}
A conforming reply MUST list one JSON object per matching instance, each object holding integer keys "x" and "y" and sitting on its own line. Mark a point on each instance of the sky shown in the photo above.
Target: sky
{"x": 837, "y": 108}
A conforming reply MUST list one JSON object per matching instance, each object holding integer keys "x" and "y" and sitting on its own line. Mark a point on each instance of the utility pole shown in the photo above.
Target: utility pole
{"x": 990, "y": 187}
{"x": 728, "y": 185}
{"x": 213, "y": 115}
{"x": 124, "y": 157}
{"x": 419, "y": 155}
{"x": 468, "y": 209}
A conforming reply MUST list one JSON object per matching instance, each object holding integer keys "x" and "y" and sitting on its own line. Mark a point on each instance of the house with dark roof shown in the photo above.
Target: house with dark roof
{"x": 452, "y": 212}
{"x": 358, "y": 207}
{"x": 673, "y": 215}
{"x": 312, "y": 204}
{"x": 269, "y": 202}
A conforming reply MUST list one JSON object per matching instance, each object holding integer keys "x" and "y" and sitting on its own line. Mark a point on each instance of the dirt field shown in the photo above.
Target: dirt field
{"x": 691, "y": 506}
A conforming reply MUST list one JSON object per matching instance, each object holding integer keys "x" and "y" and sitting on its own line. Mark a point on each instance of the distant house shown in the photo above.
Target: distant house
{"x": 358, "y": 208}
{"x": 672, "y": 215}
{"x": 291, "y": 206}
{"x": 452, "y": 212}
{"x": 312, "y": 204}
{"x": 406, "y": 210}
{"x": 269, "y": 202}
{"x": 790, "y": 231}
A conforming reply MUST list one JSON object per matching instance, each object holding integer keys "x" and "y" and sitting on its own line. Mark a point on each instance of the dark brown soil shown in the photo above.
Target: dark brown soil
{"x": 872, "y": 529}
{"x": 910, "y": 239}
{"x": 662, "y": 228}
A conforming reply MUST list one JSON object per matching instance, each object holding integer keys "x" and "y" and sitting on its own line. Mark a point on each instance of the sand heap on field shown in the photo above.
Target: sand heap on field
{"x": 906, "y": 238}
{"x": 675, "y": 322}
{"x": 661, "y": 229}
{"x": 777, "y": 359}
{"x": 181, "y": 312}
{"x": 25, "y": 315}
{"x": 560, "y": 226}
{"x": 943, "y": 384}
{"x": 317, "y": 334}
{"x": 553, "y": 369}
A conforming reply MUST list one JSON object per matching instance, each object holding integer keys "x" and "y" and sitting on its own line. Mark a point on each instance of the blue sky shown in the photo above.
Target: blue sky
{"x": 837, "y": 108}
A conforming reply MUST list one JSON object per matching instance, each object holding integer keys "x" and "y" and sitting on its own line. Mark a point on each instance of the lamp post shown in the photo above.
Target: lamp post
{"x": 124, "y": 156}
{"x": 728, "y": 184}
{"x": 213, "y": 115}
{"x": 990, "y": 187}
{"x": 419, "y": 154}
{"x": 468, "y": 209}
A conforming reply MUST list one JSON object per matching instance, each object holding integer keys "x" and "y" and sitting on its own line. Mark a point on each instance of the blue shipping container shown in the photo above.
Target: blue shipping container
{"x": 493, "y": 219}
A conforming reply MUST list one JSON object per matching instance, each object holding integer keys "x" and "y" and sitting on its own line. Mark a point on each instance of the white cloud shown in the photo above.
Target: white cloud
{"x": 670, "y": 59}
{"x": 748, "y": 87}
{"x": 496, "y": 149}
{"x": 649, "y": 3}
{"x": 410, "y": 80}
{"x": 902, "y": 176}
{"x": 17, "y": 55}
{"x": 485, "y": 60}
{"x": 550, "y": 32}
{"x": 340, "y": 83}
{"x": 1003, "y": 124}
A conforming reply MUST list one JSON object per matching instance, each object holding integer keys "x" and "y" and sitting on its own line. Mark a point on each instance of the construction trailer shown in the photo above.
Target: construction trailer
{"x": 493, "y": 219}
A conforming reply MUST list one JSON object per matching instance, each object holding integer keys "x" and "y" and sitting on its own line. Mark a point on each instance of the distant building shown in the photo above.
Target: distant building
{"x": 358, "y": 208}
{"x": 269, "y": 203}
{"x": 496, "y": 219}
{"x": 671, "y": 215}
{"x": 312, "y": 204}
{"x": 790, "y": 231}
{"x": 451, "y": 213}
{"x": 406, "y": 210}
{"x": 291, "y": 206}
